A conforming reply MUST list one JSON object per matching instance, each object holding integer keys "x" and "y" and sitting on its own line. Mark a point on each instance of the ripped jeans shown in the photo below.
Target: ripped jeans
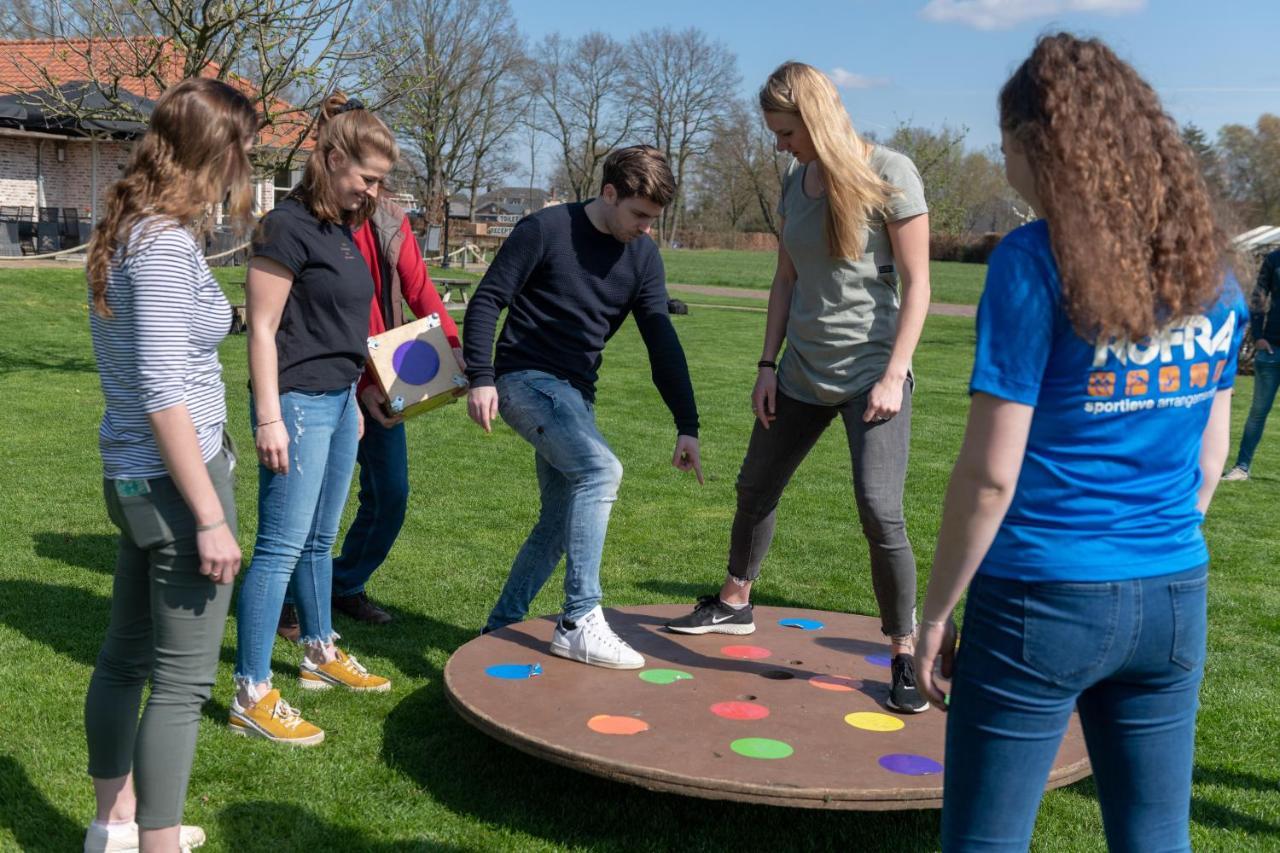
{"x": 298, "y": 517}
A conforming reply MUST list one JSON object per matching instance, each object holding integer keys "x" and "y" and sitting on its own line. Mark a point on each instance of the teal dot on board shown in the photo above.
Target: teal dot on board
{"x": 802, "y": 624}
{"x": 761, "y": 747}
{"x": 664, "y": 676}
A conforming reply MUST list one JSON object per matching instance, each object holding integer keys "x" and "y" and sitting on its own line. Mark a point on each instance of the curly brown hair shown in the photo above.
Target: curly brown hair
{"x": 1130, "y": 219}
{"x": 191, "y": 157}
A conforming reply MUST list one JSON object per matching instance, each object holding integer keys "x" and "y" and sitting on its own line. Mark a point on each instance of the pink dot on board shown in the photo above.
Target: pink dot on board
{"x": 745, "y": 652}
{"x": 740, "y": 710}
{"x": 837, "y": 683}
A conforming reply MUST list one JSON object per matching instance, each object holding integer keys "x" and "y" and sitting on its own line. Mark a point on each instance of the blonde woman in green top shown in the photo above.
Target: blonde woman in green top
{"x": 849, "y": 298}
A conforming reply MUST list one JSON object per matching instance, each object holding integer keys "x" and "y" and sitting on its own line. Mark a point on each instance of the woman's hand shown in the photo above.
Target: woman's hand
{"x": 764, "y": 396}
{"x": 272, "y": 443}
{"x": 884, "y": 401}
{"x": 219, "y": 554}
{"x": 936, "y": 640}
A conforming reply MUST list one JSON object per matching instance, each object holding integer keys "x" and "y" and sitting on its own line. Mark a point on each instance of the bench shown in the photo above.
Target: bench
{"x": 450, "y": 286}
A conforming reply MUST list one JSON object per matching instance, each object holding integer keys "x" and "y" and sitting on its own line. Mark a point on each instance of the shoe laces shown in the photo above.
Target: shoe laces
{"x": 349, "y": 662}
{"x": 604, "y": 632}
{"x": 288, "y": 716}
{"x": 706, "y": 601}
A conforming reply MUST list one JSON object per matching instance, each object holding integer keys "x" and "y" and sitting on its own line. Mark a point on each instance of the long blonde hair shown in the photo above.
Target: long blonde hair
{"x": 854, "y": 190}
{"x": 191, "y": 157}
{"x": 345, "y": 126}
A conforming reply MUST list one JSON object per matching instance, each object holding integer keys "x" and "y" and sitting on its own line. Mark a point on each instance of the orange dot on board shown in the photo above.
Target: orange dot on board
{"x": 607, "y": 724}
{"x": 838, "y": 683}
{"x": 745, "y": 652}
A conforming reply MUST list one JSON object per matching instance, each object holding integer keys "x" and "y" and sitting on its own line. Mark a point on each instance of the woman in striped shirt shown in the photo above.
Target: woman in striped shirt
{"x": 158, "y": 317}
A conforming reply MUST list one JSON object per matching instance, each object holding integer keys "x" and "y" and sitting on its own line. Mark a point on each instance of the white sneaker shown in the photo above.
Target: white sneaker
{"x": 593, "y": 642}
{"x": 1236, "y": 474}
{"x": 124, "y": 838}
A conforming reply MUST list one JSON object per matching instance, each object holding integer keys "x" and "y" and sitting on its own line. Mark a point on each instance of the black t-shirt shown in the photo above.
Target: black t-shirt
{"x": 321, "y": 342}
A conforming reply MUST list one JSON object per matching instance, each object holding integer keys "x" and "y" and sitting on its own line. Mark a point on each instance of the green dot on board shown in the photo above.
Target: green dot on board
{"x": 761, "y": 747}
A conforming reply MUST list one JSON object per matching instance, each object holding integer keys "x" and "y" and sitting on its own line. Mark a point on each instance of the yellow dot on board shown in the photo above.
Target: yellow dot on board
{"x": 873, "y": 722}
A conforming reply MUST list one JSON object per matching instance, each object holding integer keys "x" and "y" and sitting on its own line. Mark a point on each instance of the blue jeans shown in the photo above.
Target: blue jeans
{"x": 1128, "y": 654}
{"x": 298, "y": 517}
{"x": 1266, "y": 379}
{"x": 384, "y": 495}
{"x": 578, "y": 476}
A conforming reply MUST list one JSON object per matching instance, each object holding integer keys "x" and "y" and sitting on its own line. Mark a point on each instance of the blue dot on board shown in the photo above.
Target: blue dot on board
{"x": 802, "y": 624}
{"x": 513, "y": 670}
{"x": 878, "y": 660}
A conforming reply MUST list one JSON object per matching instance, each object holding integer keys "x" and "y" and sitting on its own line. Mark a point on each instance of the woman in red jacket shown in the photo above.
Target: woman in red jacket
{"x": 399, "y": 276}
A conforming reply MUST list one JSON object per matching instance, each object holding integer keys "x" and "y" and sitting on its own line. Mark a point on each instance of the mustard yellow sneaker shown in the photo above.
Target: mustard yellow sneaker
{"x": 342, "y": 671}
{"x": 274, "y": 719}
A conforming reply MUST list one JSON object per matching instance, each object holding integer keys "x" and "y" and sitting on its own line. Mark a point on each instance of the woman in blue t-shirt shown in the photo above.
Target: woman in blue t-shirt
{"x": 309, "y": 292}
{"x": 1106, "y": 351}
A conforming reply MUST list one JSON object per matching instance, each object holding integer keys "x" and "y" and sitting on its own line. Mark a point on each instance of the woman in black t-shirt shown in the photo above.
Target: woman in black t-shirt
{"x": 309, "y": 293}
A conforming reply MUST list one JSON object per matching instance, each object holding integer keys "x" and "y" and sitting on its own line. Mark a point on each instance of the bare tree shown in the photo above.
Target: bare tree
{"x": 682, "y": 84}
{"x": 582, "y": 86}
{"x": 1250, "y": 158}
{"x": 743, "y": 167}
{"x": 457, "y": 73}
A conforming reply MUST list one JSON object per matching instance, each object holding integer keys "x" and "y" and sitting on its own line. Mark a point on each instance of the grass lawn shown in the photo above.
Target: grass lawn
{"x": 401, "y": 771}
{"x": 951, "y": 282}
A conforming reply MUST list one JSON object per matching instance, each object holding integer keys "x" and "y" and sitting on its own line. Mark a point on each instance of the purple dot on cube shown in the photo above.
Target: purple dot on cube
{"x": 910, "y": 765}
{"x": 878, "y": 660}
{"x": 415, "y": 362}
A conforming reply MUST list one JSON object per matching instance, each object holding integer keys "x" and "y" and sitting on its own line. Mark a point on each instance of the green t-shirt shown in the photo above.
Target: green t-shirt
{"x": 844, "y": 313}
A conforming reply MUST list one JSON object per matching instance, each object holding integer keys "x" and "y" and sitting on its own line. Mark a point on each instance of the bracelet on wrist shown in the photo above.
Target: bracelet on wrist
{"x": 935, "y": 623}
{"x": 764, "y": 362}
{"x": 205, "y": 528}
{"x": 268, "y": 423}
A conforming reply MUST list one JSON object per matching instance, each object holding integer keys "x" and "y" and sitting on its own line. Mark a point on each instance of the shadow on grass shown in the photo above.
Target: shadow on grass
{"x": 477, "y": 776}
{"x": 12, "y": 362}
{"x": 1207, "y": 813}
{"x": 69, "y": 620}
{"x": 34, "y": 822}
{"x": 268, "y": 826}
{"x": 96, "y": 551}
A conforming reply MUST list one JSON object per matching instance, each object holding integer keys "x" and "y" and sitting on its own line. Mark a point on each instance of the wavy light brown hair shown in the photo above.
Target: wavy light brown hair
{"x": 191, "y": 157}
{"x": 854, "y": 190}
{"x": 344, "y": 126}
{"x": 1130, "y": 219}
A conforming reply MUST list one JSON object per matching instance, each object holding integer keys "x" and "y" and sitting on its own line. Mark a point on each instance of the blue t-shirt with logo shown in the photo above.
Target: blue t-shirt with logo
{"x": 1109, "y": 481}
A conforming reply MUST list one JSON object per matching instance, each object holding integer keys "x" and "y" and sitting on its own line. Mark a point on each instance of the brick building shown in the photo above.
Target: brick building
{"x": 59, "y": 162}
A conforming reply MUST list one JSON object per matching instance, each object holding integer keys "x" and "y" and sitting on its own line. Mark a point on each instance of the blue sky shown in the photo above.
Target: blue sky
{"x": 935, "y": 62}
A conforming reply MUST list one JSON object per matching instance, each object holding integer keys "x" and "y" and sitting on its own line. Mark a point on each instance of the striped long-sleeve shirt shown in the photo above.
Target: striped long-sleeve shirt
{"x": 159, "y": 349}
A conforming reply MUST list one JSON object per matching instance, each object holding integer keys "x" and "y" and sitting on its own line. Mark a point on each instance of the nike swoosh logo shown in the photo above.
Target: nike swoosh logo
{"x": 716, "y": 620}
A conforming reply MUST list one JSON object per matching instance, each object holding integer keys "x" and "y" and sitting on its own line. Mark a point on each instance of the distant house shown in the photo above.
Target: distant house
{"x": 55, "y": 165}
{"x": 502, "y": 208}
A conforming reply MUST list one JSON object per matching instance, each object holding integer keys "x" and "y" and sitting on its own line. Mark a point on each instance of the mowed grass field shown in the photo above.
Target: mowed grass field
{"x": 951, "y": 282}
{"x": 401, "y": 771}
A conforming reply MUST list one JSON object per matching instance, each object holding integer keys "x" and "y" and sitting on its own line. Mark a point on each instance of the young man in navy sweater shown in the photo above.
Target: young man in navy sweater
{"x": 568, "y": 276}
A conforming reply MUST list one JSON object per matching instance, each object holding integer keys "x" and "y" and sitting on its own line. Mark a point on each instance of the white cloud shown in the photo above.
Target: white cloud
{"x": 1003, "y": 14}
{"x": 846, "y": 79}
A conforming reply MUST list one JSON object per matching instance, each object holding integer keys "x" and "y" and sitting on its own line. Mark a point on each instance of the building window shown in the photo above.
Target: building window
{"x": 284, "y": 182}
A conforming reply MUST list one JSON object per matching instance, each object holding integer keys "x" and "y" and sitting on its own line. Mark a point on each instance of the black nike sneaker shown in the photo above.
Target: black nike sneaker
{"x": 712, "y": 616}
{"x": 904, "y": 696}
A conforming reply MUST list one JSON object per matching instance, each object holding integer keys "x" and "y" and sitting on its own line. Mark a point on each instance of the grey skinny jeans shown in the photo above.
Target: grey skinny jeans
{"x": 166, "y": 626}
{"x": 879, "y": 455}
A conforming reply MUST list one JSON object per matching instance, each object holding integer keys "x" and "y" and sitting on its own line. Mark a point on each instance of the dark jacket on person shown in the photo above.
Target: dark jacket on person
{"x": 1264, "y": 313}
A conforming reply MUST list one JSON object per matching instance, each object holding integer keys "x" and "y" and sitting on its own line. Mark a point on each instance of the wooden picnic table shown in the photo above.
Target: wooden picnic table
{"x": 450, "y": 286}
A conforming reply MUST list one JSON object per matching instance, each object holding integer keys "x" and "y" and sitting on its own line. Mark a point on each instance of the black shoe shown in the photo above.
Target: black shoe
{"x": 712, "y": 616}
{"x": 903, "y": 695}
{"x": 287, "y": 627}
{"x": 360, "y": 608}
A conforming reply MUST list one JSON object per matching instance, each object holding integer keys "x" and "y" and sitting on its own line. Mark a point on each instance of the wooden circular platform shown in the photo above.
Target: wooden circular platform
{"x": 792, "y": 715}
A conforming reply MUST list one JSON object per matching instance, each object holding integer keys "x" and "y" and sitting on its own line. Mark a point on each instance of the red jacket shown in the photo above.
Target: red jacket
{"x": 409, "y": 277}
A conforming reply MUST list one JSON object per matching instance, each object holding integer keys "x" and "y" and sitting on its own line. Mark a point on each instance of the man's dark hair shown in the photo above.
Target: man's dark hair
{"x": 640, "y": 170}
